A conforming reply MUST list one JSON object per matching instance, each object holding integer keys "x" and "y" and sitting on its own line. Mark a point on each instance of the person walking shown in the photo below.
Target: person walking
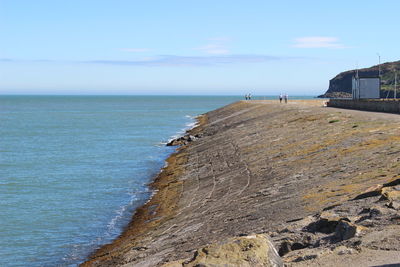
{"x": 280, "y": 98}
{"x": 286, "y": 98}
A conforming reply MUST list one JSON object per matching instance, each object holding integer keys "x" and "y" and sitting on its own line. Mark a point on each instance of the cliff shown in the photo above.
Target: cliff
{"x": 340, "y": 85}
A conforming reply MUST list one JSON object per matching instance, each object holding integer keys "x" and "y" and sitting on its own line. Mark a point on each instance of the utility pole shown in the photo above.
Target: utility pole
{"x": 379, "y": 65}
{"x": 357, "y": 85}
{"x": 395, "y": 85}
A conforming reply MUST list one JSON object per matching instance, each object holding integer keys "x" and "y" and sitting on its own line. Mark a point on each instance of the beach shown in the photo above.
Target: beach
{"x": 283, "y": 170}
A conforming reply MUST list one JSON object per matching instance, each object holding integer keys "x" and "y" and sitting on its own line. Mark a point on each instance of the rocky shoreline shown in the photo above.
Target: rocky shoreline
{"x": 320, "y": 186}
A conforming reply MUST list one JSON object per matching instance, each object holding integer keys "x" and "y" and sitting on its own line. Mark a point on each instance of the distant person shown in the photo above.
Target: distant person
{"x": 249, "y": 96}
{"x": 280, "y": 98}
{"x": 286, "y": 98}
{"x": 246, "y": 97}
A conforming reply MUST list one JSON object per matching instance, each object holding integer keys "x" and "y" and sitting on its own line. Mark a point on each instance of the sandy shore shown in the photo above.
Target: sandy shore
{"x": 265, "y": 167}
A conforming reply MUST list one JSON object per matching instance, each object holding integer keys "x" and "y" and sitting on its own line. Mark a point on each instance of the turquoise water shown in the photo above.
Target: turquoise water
{"x": 74, "y": 168}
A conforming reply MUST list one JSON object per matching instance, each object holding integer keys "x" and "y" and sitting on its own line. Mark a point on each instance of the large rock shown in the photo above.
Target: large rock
{"x": 372, "y": 191}
{"x": 391, "y": 193}
{"x": 253, "y": 250}
{"x": 346, "y": 230}
{"x": 394, "y": 205}
{"x": 183, "y": 140}
{"x": 326, "y": 223}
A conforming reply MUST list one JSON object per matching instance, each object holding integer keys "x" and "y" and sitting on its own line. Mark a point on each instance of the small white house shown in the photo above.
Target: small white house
{"x": 367, "y": 87}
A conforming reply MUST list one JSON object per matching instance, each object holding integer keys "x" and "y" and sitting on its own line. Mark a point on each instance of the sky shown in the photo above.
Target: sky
{"x": 190, "y": 47}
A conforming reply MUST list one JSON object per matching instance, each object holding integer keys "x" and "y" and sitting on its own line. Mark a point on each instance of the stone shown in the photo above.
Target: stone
{"x": 305, "y": 254}
{"x": 391, "y": 193}
{"x": 376, "y": 211}
{"x": 285, "y": 248}
{"x": 342, "y": 250}
{"x": 174, "y": 142}
{"x": 326, "y": 223}
{"x": 346, "y": 230}
{"x": 297, "y": 225}
{"x": 252, "y": 250}
{"x": 372, "y": 191}
{"x": 393, "y": 205}
{"x": 306, "y": 258}
{"x": 295, "y": 242}
{"x": 180, "y": 141}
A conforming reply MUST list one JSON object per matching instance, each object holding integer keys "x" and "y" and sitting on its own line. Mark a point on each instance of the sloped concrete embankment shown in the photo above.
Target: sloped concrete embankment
{"x": 307, "y": 176}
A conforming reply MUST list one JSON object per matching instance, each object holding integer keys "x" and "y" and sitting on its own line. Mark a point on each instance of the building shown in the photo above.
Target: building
{"x": 366, "y": 87}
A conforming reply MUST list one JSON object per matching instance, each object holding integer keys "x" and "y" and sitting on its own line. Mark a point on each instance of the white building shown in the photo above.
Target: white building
{"x": 367, "y": 87}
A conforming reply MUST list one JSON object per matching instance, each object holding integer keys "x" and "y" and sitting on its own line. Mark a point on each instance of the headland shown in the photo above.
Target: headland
{"x": 321, "y": 183}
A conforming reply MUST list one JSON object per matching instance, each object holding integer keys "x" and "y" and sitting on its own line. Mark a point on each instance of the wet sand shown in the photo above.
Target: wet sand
{"x": 257, "y": 167}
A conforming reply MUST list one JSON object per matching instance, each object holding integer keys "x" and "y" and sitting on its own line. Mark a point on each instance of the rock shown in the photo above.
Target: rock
{"x": 290, "y": 245}
{"x": 391, "y": 193}
{"x": 173, "y": 143}
{"x": 393, "y": 205}
{"x": 342, "y": 250}
{"x": 395, "y": 182}
{"x": 376, "y": 211}
{"x": 326, "y": 223}
{"x": 306, "y": 258}
{"x": 299, "y": 224}
{"x": 253, "y": 250}
{"x": 305, "y": 254}
{"x": 285, "y": 248}
{"x": 295, "y": 241}
{"x": 139, "y": 248}
{"x": 346, "y": 230}
{"x": 182, "y": 140}
{"x": 372, "y": 191}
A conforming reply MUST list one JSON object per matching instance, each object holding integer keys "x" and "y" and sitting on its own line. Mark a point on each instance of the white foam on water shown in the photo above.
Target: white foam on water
{"x": 123, "y": 213}
{"x": 188, "y": 126}
{"x": 152, "y": 195}
{"x": 111, "y": 226}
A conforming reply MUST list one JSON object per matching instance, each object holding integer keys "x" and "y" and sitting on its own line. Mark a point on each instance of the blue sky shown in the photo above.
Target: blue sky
{"x": 189, "y": 47}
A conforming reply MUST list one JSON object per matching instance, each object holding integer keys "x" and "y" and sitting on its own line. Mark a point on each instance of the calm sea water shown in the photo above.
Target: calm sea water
{"x": 74, "y": 168}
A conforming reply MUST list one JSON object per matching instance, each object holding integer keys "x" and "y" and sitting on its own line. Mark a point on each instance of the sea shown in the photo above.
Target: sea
{"x": 73, "y": 169}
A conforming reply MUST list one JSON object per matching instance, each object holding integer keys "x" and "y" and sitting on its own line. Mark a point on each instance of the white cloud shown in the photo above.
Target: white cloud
{"x": 173, "y": 60}
{"x": 318, "y": 42}
{"x": 214, "y": 49}
{"x": 217, "y": 46}
{"x": 135, "y": 50}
